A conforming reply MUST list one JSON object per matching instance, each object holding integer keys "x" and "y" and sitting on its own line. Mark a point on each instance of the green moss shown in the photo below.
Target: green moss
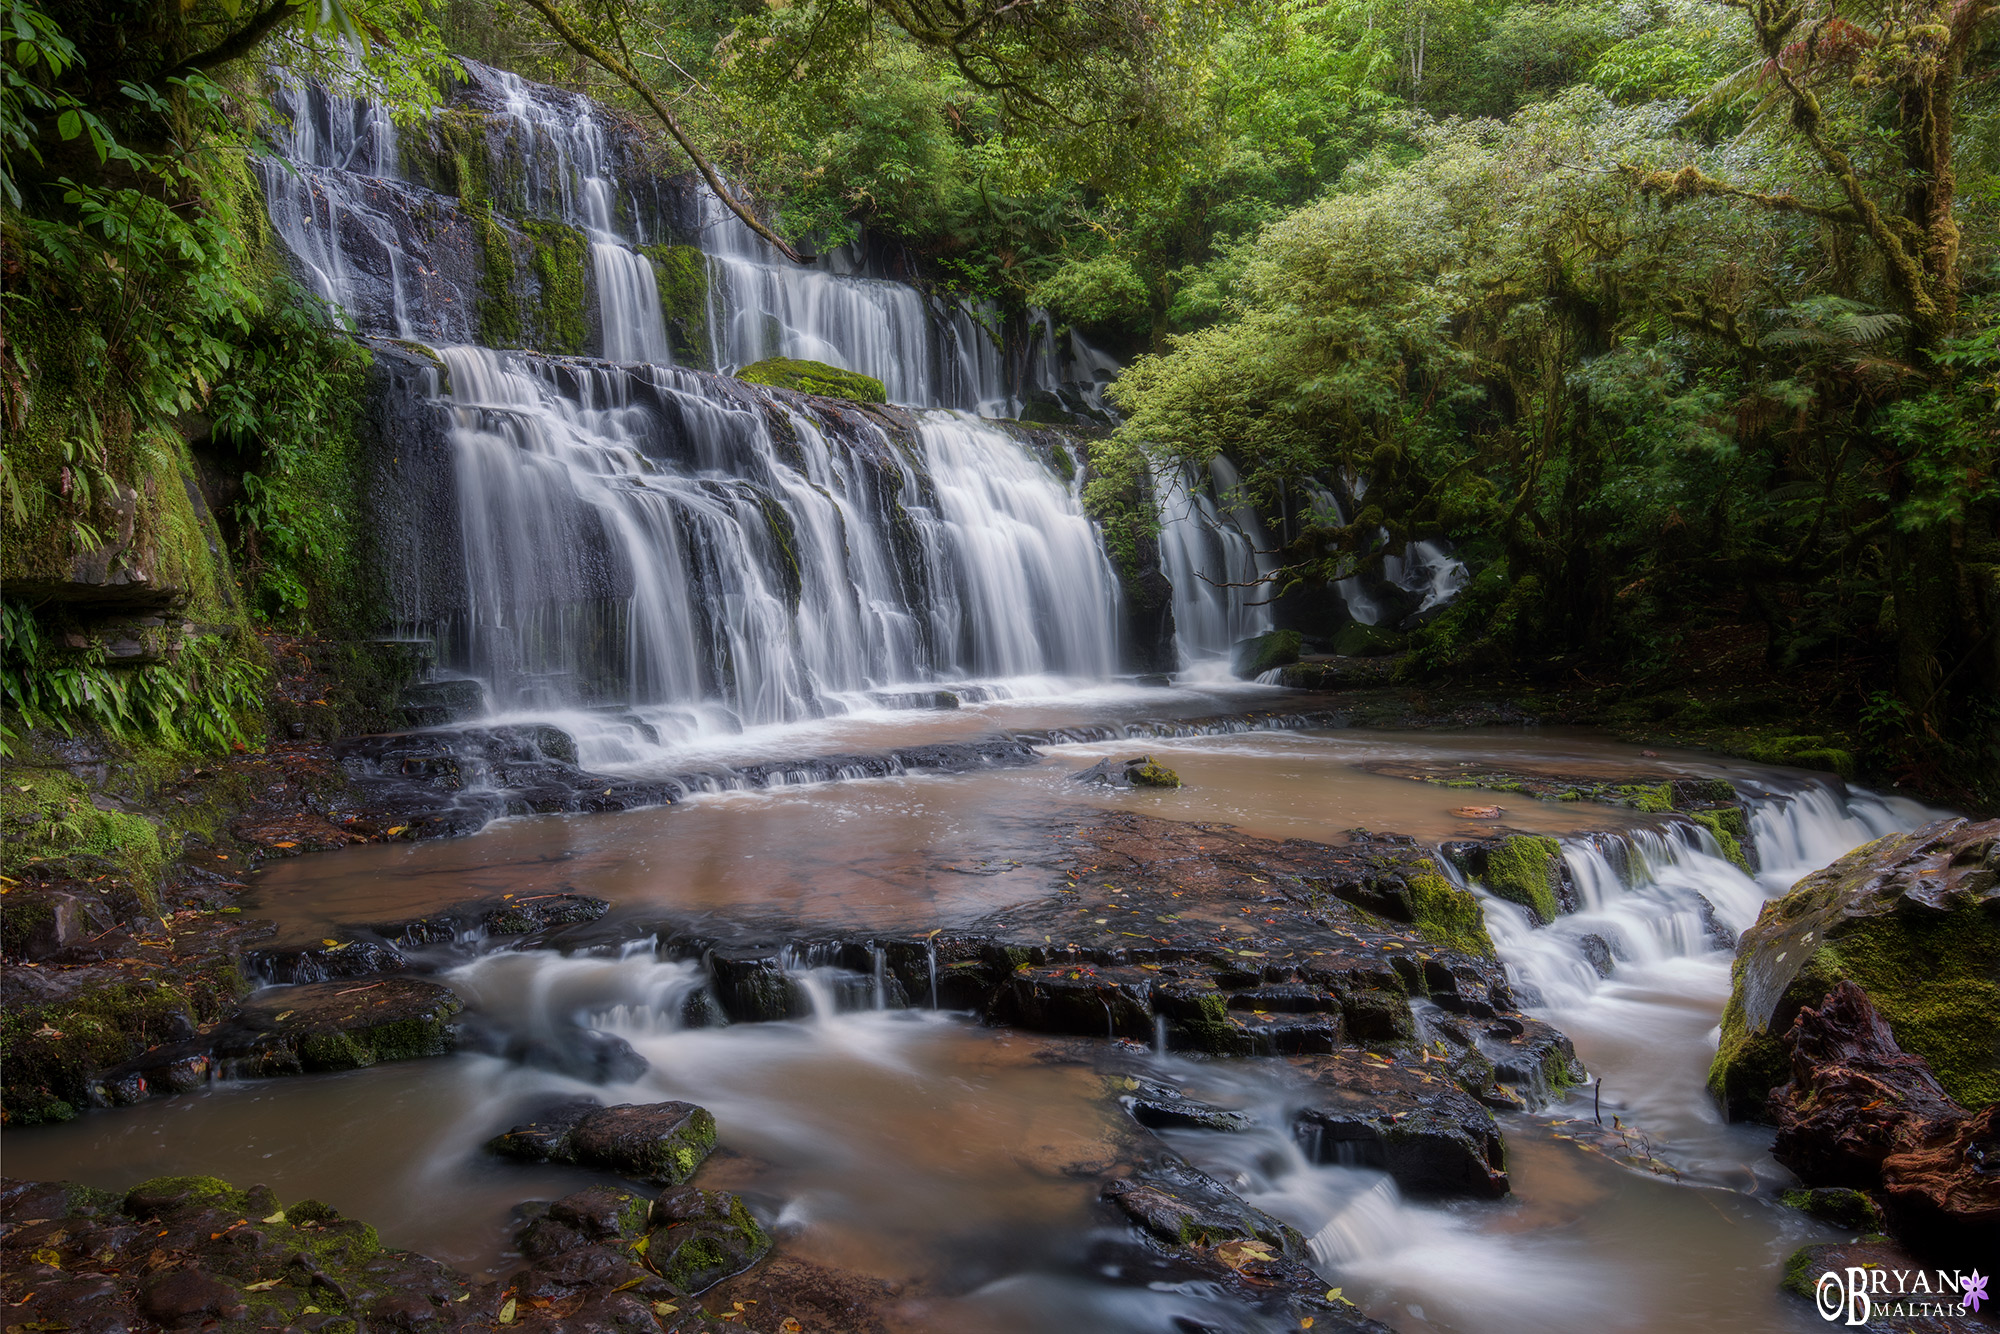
{"x": 1727, "y": 833}
{"x": 1656, "y": 800}
{"x": 560, "y": 254}
{"x": 1266, "y": 653}
{"x": 183, "y": 1191}
{"x": 1448, "y": 916}
{"x": 1064, "y": 465}
{"x": 1801, "y": 1272}
{"x": 1803, "y": 752}
{"x": 53, "y": 817}
{"x": 814, "y": 377}
{"x": 1524, "y": 869}
{"x": 1838, "y": 1205}
{"x": 499, "y": 305}
{"x": 1150, "y": 774}
{"x": 681, "y": 273}
{"x": 1936, "y": 978}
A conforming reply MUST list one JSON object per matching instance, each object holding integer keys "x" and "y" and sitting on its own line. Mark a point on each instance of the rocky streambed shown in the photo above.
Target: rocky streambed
{"x": 1136, "y": 1070}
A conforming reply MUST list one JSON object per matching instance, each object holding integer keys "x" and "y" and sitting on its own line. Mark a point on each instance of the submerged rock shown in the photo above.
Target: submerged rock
{"x": 197, "y": 1253}
{"x": 1914, "y": 919}
{"x": 660, "y": 1142}
{"x": 1160, "y": 1107}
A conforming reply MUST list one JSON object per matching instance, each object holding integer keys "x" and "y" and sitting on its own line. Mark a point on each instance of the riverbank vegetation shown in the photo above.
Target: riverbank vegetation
{"x": 1678, "y": 319}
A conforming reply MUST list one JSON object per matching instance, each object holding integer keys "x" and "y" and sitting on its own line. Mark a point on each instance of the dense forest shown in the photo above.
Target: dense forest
{"x": 1680, "y": 319}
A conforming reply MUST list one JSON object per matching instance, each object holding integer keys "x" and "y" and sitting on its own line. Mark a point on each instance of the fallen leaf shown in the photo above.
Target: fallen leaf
{"x": 265, "y": 1286}
{"x": 1237, "y": 1254}
{"x": 507, "y": 1312}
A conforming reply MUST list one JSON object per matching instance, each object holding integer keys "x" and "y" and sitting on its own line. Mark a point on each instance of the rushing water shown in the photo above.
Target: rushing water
{"x": 924, "y": 1150}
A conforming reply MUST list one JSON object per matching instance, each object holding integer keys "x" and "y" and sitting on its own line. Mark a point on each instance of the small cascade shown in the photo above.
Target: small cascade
{"x": 1213, "y": 550}
{"x": 585, "y": 195}
{"x": 763, "y": 305}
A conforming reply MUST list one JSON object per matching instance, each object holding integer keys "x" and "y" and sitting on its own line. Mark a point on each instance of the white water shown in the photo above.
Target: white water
{"x": 1215, "y": 553}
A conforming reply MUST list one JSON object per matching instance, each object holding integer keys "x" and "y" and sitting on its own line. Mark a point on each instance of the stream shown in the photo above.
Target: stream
{"x": 922, "y": 1148}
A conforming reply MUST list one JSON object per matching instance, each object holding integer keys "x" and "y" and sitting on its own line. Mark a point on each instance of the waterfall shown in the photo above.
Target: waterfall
{"x": 634, "y": 535}
{"x": 641, "y": 535}
{"x": 1212, "y": 549}
{"x": 764, "y": 305}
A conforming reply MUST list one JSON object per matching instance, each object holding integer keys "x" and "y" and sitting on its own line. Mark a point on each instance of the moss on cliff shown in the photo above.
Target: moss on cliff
{"x": 815, "y": 377}
{"x": 681, "y": 273}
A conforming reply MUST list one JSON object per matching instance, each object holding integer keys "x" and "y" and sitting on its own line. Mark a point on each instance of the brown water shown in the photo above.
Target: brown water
{"x": 918, "y": 852}
{"x": 957, "y": 1161}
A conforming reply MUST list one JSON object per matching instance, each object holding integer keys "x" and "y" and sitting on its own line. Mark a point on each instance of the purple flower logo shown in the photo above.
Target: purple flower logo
{"x": 1975, "y": 1289}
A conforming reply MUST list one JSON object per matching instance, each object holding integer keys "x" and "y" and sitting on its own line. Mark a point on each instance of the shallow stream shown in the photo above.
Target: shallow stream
{"x": 954, "y": 1160}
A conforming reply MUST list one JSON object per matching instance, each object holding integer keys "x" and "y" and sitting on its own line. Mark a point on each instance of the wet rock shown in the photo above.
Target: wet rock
{"x": 1860, "y": 1112}
{"x": 436, "y": 703}
{"x": 1139, "y": 771}
{"x": 1161, "y": 1107}
{"x": 1597, "y": 951}
{"x": 1420, "y": 1128}
{"x": 188, "y": 1297}
{"x": 338, "y": 1026}
{"x": 1521, "y": 868}
{"x": 1839, "y": 1205}
{"x": 324, "y": 963}
{"x": 52, "y": 924}
{"x": 589, "y": 1054}
{"x": 1184, "y": 1207}
{"x": 1914, "y": 920}
{"x": 700, "y": 1238}
{"x": 1095, "y": 1002}
{"x": 754, "y": 986}
{"x": 821, "y": 1299}
{"x": 661, "y": 1142}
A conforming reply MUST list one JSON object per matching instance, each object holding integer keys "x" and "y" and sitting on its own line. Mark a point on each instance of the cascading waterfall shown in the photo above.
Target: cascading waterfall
{"x": 1213, "y": 551}
{"x": 637, "y": 535}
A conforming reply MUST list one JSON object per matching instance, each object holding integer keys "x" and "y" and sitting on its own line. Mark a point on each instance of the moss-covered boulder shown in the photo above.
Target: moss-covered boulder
{"x": 701, "y": 1237}
{"x": 1523, "y": 869}
{"x": 340, "y": 1025}
{"x": 815, "y": 377}
{"x": 1914, "y": 920}
{"x": 1267, "y": 652}
{"x": 1446, "y": 915}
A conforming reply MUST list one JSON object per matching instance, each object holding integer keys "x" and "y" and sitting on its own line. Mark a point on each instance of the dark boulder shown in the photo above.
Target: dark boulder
{"x": 660, "y": 1142}
{"x": 701, "y": 1237}
{"x": 1422, "y": 1129}
{"x": 1862, "y": 1113}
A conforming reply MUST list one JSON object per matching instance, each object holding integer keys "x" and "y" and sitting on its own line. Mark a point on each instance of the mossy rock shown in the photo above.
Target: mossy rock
{"x": 702, "y": 1237}
{"x": 1355, "y": 640}
{"x": 1151, "y": 774}
{"x": 815, "y": 377}
{"x": 1448, "y": 916}
{"x": 1526, "y": 869}
{"x": 1838, "y": 1205}
{"x": 1267, "y": 652}
{"x": 1729, "y": 826}
{"x": 681, "y": 272}
{"x": 1914, "y": 920}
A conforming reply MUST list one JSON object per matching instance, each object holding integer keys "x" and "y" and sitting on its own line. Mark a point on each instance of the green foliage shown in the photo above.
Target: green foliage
{"x": 207, "y": 700}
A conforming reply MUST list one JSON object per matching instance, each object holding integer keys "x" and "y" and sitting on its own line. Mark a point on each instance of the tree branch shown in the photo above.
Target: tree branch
{"x": 630, "y": 77}
{"x": 238, "y": 44}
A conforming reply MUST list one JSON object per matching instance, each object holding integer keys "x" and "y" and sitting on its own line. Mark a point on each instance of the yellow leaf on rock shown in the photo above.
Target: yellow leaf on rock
{"x": 507, "y": 1312}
